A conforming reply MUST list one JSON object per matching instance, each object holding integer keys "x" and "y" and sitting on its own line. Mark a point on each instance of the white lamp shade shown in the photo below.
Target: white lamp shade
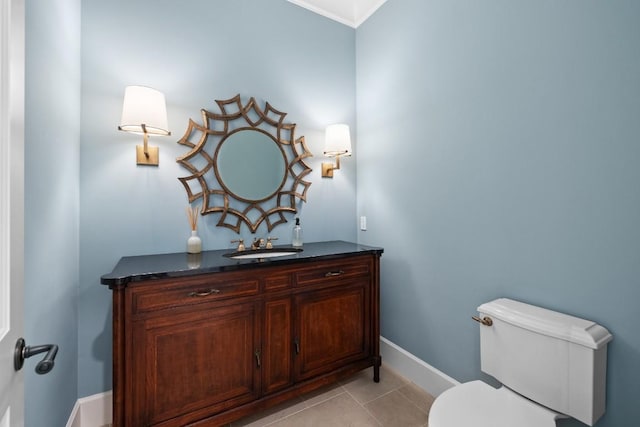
{"x": 337, "y": 141}
{"x": 144, "y": 106}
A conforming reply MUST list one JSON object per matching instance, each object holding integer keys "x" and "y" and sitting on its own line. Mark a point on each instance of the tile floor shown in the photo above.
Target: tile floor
{"x": 355, "y": 402}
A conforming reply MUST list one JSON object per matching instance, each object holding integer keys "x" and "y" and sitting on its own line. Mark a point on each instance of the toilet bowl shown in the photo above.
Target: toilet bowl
{"x": 478, "y": 404}
{"x": 551, "y": 365}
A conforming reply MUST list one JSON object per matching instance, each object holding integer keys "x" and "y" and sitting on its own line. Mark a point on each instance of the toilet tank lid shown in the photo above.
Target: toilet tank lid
{"x": 547, "y": 322}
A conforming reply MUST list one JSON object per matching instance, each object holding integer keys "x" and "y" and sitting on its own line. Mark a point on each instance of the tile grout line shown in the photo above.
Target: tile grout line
{"x": 343, "y": 390}
{"x": 403, "y": 395}
{"x": 413, "y": 403}
{"x": 375, "y": 398}
{"x": 371, "y": 414}
{"x": 363, "y": 405}
{"x": 307, "y": 407}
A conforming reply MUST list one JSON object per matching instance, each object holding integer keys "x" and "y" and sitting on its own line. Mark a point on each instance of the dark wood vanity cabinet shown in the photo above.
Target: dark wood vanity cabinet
{"x": 207, "y": 349}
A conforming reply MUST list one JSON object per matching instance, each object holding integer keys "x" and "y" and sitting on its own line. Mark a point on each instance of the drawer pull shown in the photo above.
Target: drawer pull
{"x": 334, "y": 273}
{"x": 204, "y": 293}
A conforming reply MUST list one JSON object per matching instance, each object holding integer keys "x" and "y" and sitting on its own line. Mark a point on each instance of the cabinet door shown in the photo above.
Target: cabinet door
{"x": 277, "y": 365}
{"x": 333, "y": 328}
{"x": 191, "y": 365}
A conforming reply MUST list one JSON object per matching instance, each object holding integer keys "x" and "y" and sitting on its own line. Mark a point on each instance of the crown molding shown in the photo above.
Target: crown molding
{"x": 348, "y": 12}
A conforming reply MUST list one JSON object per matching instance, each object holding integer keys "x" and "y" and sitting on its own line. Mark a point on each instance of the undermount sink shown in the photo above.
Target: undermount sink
{"x": 263, "y": 253}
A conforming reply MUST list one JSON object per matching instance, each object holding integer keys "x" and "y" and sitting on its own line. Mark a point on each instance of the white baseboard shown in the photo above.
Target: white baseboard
{"x": 95, "y": 411}
{"x": 415, "y": 370}
{"x": 92, "y": 411}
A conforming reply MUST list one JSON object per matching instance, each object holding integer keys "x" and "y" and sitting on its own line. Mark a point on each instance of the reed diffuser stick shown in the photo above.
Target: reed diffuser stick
{"x": 192, "y": 214}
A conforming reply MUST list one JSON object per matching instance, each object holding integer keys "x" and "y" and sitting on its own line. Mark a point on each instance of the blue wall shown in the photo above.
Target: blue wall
{"x": 52, "y": 146}
{"x": 497, "y": 151}
{"x": 195, "y": 51}
{"x": 498, "y": 157}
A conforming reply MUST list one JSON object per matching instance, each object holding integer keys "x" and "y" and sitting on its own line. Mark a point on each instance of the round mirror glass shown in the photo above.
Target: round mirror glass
{"x": 250, "y": 164}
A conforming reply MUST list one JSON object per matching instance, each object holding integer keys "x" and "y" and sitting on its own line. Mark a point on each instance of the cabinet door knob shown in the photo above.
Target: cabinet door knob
{"x": 297, "y": 344}
{"x": 204, "y": 293}
{"x": 258, "y": 362}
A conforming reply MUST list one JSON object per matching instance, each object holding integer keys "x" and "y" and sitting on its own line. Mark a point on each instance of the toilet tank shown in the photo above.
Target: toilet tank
{"x": 554, "y": 359}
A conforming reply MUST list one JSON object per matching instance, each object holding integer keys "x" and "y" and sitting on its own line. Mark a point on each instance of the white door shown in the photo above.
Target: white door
{"x": 11, "y": 208}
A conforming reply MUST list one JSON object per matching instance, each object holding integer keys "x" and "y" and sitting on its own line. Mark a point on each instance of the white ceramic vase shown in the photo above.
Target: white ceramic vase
{"x": 194, "y": 244}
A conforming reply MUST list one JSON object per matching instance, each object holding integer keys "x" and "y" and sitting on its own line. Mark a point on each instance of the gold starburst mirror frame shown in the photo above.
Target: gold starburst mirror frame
{"x": 245, "y": 164}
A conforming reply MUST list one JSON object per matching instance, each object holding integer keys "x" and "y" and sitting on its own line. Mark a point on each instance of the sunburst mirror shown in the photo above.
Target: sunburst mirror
{"x": 246, "y": 164}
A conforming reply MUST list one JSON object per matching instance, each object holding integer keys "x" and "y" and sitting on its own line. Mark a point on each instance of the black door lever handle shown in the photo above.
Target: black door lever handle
{"x": 23, "y": 351}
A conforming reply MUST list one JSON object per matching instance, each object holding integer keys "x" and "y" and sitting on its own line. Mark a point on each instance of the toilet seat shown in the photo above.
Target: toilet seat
{"x": 478, "y": 404}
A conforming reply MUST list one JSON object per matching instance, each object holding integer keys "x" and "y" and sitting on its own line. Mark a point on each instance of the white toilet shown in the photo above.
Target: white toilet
{"x": 551, "y": 365}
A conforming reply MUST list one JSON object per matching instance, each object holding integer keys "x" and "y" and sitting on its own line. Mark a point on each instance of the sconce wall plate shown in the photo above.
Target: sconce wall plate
{"x": 150, "y": 158}
{"x": 328, "y": 168}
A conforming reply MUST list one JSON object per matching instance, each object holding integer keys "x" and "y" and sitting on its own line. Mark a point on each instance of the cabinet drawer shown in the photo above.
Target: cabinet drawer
{"x": 334, "y": 271}
{"x": 274, "y": 282}
{"x": 195, "y": 291}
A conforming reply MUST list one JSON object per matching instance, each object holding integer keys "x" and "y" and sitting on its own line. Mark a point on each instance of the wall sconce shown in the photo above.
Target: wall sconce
{"x": 144, "y": 111}
{"x": 337, "y": 143}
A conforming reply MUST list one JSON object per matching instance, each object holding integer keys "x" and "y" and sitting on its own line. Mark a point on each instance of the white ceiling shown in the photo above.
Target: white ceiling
{"x": 348, "y": 12}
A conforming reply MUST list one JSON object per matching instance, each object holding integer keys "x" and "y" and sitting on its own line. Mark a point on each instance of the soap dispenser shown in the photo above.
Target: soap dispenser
{"x": 296, "y": 237}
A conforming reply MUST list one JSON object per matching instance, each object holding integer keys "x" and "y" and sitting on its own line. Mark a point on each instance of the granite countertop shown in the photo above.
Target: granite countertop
{"x": 149, "y": 267}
